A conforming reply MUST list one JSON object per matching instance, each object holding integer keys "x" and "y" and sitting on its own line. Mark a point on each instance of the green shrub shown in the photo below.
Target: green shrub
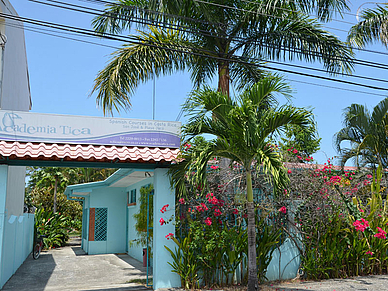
{"x": 55, "y": 227}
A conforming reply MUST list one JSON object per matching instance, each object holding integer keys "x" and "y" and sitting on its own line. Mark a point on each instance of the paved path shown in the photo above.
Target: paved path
{"x": 68, "y": 268}
{"x": 367, "y": 283}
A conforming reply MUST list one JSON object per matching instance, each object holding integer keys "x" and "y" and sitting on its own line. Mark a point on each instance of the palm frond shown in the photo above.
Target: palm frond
{"x": 373, "y": 27}
{"x": 155, "y": 54}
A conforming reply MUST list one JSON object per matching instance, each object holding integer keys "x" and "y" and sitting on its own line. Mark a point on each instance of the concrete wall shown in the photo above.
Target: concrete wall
{"x": 115, "y": 200}
{"x": 134, "y": 250}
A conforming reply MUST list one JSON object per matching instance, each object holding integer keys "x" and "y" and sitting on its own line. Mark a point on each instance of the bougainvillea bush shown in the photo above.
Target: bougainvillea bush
{"x": 211, "y": 236}
{"x": 340, "y": 216}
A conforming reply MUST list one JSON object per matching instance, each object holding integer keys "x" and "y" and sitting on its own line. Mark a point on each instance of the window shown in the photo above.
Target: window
{"x": 131, "y": 197}
{"x": 101, "y": 224}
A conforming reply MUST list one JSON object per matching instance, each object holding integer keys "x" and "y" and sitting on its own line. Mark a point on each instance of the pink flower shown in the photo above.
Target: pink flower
{"x": 182, "y": 201}
{"x": 161, "y": 221}
{"x": 235, "y": 211}
{"x": 369, "y": 176}
{"x": 295, "y": 151}
{"x": 381, "y": 234}
{"x": 369, "y": 253}
{"x": 170, "y": 235}
{"x": 362, "y": 210}
{"x": 283, "y": 209}
{"x": 164, "y": 208}
{"x": 289, "y": 171}
{"x": 213, "y": 167}
{"x": 208, "y": 221}
{"x": 361, "y": 225}
{"x": 204, "y": 207}
{"x": 318, "y": 208}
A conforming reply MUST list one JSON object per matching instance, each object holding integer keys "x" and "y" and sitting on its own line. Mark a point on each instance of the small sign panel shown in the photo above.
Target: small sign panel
{"x": 50, "y": 128}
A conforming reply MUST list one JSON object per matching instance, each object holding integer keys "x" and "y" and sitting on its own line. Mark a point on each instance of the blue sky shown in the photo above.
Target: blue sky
{"x": 62, "y": 73}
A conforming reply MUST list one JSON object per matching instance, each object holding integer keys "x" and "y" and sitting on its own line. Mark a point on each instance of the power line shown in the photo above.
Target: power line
{"x": 196, "y": 20}
{"x": 133, "y": 40}
{"x": 181, "y": 111}
{"x": 273, "y": 62}
{"x": 115, "y": 47}
{"x": 179, "y": 28}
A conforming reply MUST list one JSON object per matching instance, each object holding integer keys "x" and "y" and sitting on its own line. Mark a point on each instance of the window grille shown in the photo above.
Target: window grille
{"x": 133, "y": 196}
{"x": 101, "y": 224}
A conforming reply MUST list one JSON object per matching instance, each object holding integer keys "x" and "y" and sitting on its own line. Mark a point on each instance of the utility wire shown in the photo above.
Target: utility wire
{"x": 55, "y": 34}
{"x": 133, "y": 40}
{"x": 163, "y": 24}
{"x": 196, "y": 20}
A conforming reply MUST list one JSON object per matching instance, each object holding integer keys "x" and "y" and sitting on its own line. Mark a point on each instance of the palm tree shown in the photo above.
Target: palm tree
{"x": 229, "y": 39}
{"x": 372, "y": 27}
{"x": 367, "y": 134}
{"x": 242, "y": 129}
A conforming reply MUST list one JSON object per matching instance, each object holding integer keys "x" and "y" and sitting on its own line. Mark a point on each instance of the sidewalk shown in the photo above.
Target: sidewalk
{"x": 69, "y": 268}
{"x": 368, "y": 283}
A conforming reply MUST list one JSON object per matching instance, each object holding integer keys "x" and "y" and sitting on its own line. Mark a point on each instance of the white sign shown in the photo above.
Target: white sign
{"x": 37, "y": 127}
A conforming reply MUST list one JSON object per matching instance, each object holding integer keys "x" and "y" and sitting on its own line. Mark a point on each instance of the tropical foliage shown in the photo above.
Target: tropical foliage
{"x": 338, "y": 218}
{"x": 366, "y": 132}
{"x": 145, "y": 216}
{"x": 229, "y": 40}
{"x": 243, "y": 128}
{"x": 53, "y": 226}
{"x": 372, "y": 27}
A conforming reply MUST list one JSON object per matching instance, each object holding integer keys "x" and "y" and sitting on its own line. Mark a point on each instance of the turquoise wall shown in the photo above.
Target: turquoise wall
{"x": 135, "y": 251}
{"x": 115, "y": 200}
{"x": 17, "y": 244}
{"x": 163, "y": 277}
{"x": 289, "y": 263}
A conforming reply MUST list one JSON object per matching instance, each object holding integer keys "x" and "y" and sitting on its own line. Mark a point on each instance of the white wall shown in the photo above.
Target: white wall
{"x": 16, "y": 229}
{"x": 15, "y": 91}
{"x": 14, "y": 95}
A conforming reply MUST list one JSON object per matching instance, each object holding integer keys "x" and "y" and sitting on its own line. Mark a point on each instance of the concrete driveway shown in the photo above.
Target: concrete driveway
{"x": 69, "y": 268}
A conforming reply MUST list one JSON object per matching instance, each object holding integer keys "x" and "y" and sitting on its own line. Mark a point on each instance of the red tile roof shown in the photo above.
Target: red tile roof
{"x": 85, "y": 153}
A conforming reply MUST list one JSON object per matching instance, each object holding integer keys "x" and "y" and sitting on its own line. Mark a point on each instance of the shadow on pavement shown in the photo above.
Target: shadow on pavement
{"x": 78, "y": 251}
{"x": 132, "y": 288}
{"x": 32, "y": 273}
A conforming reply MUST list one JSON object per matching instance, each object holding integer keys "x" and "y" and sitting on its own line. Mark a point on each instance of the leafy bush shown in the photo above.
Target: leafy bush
{"x": 55, "y": 227}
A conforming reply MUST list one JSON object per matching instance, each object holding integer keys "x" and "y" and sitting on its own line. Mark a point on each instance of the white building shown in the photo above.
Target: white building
{"x": 16, "y": 227}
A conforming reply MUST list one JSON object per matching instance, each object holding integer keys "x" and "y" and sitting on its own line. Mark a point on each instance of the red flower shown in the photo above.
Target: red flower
{"x": 164, "y": 208}
{"x": 182, "y": 201}
{"x": 295, "y": 151}
{"x": 217, "y": 212}
{"x": 214, "y": 167}
{"x": 170, "y": 235}
{"x": 369, "y": 253}
{"x": 204, "y": 207}
{"x": 235, "y": 211}
{"x": 283, "y": 209}
{"x": 289, "y": 171}
{"x": 161, "y": 221}
{"x": 208, "y": 221}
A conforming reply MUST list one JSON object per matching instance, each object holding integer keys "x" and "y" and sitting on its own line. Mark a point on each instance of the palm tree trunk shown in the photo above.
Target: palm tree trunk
{"x": 55, "y": 195}
{"x": 223, "y": 78}
{"x": 252, "y": 267}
